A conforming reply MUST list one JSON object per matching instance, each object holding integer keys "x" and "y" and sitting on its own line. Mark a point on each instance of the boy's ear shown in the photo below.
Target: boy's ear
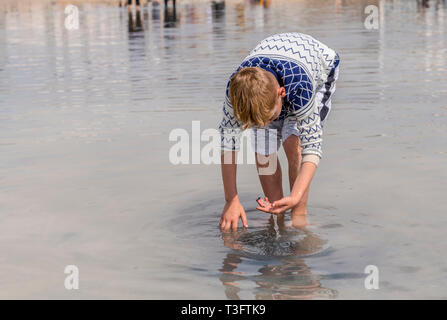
{"x": 282, "y": 91}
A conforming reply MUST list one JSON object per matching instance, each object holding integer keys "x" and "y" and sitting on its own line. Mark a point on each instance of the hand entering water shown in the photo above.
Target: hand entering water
{"x": 231, "y": 213}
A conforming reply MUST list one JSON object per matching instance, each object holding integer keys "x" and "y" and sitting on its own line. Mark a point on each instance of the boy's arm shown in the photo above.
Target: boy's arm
{"x": 228, "y": 168}
{"x": 310, "y": 134}
{"x": 310, "y": 140}
{"x": 300, "y": 185}
{"x": 230, "y": 138}
{"x": 233, "y": 209}
{"x": 303, "y": 180}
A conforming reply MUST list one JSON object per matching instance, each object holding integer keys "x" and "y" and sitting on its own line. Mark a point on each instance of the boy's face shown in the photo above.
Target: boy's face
{"x": 280, "y": 93}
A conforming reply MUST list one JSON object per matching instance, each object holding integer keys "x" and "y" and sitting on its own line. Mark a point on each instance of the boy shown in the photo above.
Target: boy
{"x": 282, "y": 90}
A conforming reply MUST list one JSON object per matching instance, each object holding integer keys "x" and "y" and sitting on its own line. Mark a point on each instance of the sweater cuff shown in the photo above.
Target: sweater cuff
{"x": 311, "y": 158}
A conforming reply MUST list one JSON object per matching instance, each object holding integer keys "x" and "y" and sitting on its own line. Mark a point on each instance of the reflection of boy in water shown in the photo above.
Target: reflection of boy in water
{"x": 292, "y": 279}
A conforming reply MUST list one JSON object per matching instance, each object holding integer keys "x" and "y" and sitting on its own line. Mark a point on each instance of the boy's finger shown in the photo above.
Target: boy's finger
{"x": 244, "y": 220}
{"x": 280, "y": 209}
{"x": 260, "y": 201}
{"x": 235, "y": 222}
{"x": 280, "y": 202}
{"x": 264, "y": 209}
{"x": 266, "y": 202}
{"x": 278, "y": 205}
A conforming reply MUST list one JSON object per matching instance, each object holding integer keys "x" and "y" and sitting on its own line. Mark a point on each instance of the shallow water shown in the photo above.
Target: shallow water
{"x": 85, "y": 177}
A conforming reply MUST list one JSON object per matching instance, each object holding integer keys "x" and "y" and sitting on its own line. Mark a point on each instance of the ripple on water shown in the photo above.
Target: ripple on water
{"x": 263, "y": 239}
{"x": 265, "y": 261}
{"x": 274, "y": 242}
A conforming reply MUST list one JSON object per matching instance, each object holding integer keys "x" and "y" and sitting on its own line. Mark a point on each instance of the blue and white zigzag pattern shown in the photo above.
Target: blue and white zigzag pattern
{"x": 301, "y": 45}
{"x": 298, "y": 61}
{"x": 295, "y": 79}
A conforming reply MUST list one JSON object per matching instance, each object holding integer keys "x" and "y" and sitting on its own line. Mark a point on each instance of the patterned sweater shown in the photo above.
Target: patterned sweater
{"x": 301, "y": 64}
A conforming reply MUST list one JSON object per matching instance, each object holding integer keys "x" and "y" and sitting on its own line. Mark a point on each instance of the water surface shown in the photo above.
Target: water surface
{"x": 85, "y": 177}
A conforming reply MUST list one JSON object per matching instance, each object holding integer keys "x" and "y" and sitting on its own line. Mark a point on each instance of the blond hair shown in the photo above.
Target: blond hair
{"x": 252, "y": 94}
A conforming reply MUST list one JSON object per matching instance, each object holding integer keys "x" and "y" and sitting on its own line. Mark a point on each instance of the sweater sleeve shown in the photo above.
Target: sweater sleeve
{"x": 302, "y": 97}
{"x": 311, "y": 133}
{"x": 230, "y": 128}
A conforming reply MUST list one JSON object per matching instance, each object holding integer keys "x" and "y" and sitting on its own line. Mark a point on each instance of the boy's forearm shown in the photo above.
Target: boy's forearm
{"x": 303, "y": 179}
{"x": 228, "y": 167}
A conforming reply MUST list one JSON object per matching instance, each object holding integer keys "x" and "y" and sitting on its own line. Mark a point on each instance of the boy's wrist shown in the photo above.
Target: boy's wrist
{"x": 232, "y": 199}
{"x": 296, "y": 197}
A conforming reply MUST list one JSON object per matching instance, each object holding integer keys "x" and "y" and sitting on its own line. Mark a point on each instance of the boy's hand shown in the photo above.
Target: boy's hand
{"x": 277, "y": 207}
{"x": 231, "y": 213}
